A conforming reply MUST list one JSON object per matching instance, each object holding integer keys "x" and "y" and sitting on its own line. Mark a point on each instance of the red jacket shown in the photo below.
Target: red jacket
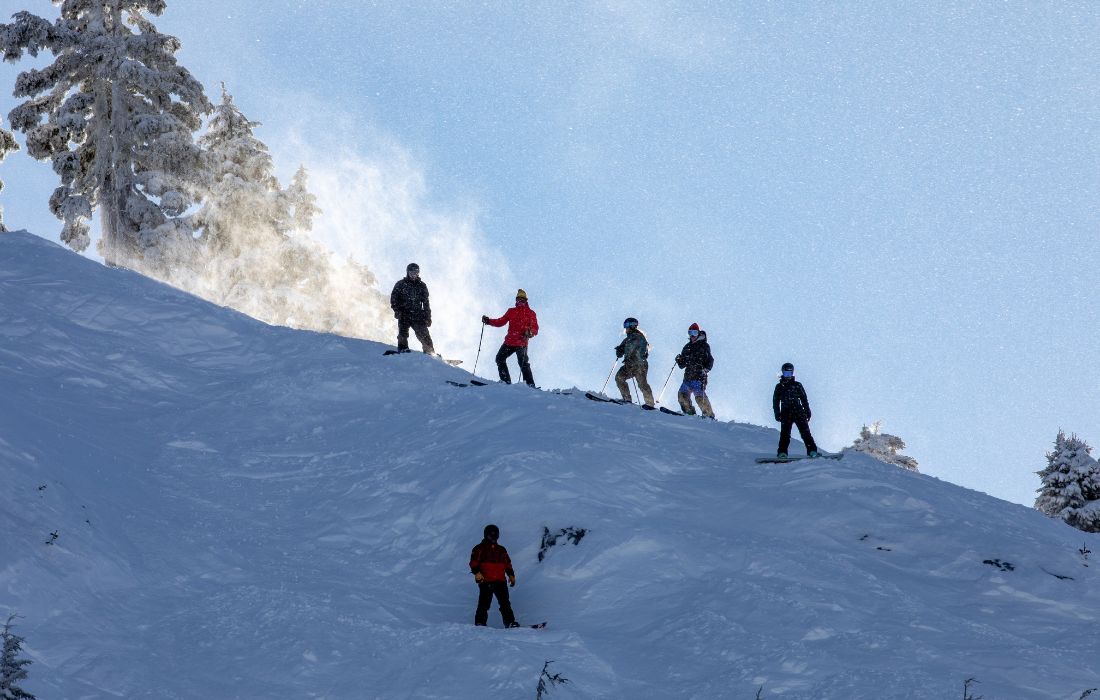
{"x": 522, "y": 323}
{"x": 491, "y": 560}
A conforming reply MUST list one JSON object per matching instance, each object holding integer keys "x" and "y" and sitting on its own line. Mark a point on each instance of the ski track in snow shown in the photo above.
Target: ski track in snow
{"x": 252, "y": 512}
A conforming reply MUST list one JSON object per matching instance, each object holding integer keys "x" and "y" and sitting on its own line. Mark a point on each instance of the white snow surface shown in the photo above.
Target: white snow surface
{"x": 246, "y": 511}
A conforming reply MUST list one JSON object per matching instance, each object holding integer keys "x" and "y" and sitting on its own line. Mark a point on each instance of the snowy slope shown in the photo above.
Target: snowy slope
{"x": 245, "y": 511}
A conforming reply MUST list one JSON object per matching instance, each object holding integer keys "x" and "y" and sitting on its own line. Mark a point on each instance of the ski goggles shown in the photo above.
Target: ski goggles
{"x": 788, "y": 373}
{"x": 693, "y": 333}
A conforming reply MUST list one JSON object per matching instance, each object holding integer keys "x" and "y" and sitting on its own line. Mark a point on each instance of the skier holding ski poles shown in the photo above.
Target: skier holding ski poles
{"x": 523, "y": 325}
{"x": 791, "y": 407}
{"x": 696, "y": 361}
{"x": 634, "y": 351}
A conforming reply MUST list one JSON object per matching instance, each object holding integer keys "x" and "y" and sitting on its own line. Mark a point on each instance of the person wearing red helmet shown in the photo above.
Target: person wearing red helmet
{"x": 696, "y": 361}
{"x": 523, "y": 325}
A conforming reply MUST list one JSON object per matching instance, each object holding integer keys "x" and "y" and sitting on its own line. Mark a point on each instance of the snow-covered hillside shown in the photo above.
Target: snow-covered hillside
{"x": 196, "y": 505}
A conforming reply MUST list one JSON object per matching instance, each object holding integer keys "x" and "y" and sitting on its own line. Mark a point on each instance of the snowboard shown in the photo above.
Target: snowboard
{"x": 776, "y": 460}
{"x": 454, "y": 363}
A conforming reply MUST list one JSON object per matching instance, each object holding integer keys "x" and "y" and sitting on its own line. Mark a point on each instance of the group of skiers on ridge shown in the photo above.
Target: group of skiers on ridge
{"x": 489, "y": 561}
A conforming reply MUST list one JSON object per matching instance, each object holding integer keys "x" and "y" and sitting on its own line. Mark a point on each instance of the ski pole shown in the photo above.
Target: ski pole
{"x": 479, "y": 349}
{"x": 609, "y": 375}
{"x": 637, "y": 391}
{"x": 665, "y": 385}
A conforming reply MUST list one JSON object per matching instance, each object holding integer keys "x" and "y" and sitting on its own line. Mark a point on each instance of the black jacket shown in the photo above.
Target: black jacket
{"x": 789, "y": 399}
{"x": 409, "y": 300}
{"x": 695, "y": 359}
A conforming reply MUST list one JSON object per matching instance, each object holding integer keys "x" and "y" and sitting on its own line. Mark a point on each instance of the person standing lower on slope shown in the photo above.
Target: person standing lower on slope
{"x": 634, "y": 351}
{"x": 696, "y": 361}
{"x": 791, "y": 407}
{"x": 490, "y": 564}
{"x": 523, "y": 325}
{"x": 409, "y": 301}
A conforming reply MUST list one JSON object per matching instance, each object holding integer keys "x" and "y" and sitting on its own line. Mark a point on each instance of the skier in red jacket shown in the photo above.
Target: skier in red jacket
{"x": 522, "y": 326}
{"x": 490, "y": 564}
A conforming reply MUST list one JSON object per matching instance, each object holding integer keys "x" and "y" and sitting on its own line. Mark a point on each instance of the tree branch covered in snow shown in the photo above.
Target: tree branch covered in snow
{"x": 7, "y": 145}
{"x": 12, "y": 668}
{"x": 114, "y": 114}
{"x": 1071, "y": 484}
{"x": 883, "y": 446}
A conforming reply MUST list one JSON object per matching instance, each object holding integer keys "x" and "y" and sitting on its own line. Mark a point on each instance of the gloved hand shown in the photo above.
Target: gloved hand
{"x": 479, "y": 577}
{"x": 618, "y": 352}
{"x": 512, "y": 580}
{"x": 528, "y": 334}
{"x": 397, "y": 314}
{"x": 777, "y": 418}
{"x": 680, "y": 361}
{"x": 485, "y": 320}
{"x": 428, "y": 323}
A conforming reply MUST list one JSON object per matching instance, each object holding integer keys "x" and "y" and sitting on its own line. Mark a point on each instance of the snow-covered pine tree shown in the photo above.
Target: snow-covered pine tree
{"x": 883, "y": 446}
{"x": 243, "y": 206}
{"x": 12, "y": 668}
{"x": 302, "y": 201}
{"x": 115, "y": 114}
{"x": 1071, "y": 484}
{"x": 7, "y": 144}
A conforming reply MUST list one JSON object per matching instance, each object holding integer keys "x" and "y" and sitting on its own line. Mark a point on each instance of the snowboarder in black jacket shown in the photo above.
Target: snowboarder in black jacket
{"x": 409, "y": 301}
{"x": 696, "y": 361}
{"x": 791, "y": 407}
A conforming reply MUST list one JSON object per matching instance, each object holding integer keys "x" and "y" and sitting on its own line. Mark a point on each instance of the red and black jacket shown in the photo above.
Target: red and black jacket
{"x": 491, "y": 560}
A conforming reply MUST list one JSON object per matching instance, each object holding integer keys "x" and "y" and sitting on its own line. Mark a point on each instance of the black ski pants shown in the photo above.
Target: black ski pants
{"x": 520, "y": 352}
{"x": 422, "y": 334}
{"x": 786, "y": 421}
{"x": 487, "y": 589}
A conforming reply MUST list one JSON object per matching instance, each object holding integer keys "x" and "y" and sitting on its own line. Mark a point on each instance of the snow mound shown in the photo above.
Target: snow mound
{"x": 196, "y": 504}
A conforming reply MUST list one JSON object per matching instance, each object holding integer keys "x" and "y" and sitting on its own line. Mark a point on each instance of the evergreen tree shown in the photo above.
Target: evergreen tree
{"x": 1071, "y": 484}
{"x": 301, "y": 201}
{"x": 243, "y": 206}
{"x": 12, "y": 668}
{"x": 883, "y": 446}
{"x": 7, "y": 144}
{"x": 115, "y": 114}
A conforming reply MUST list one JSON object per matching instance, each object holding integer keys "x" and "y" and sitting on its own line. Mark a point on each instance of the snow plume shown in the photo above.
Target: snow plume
{"x": 377, "y": 210}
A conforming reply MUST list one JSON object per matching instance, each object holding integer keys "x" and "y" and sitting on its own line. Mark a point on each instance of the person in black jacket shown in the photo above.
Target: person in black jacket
{"x": 791, "y": 407}
{"x": 409, "y": 301}
{"x": 696, "y": 361}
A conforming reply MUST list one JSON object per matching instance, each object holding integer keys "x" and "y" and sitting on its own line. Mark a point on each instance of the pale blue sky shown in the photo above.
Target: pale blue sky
{"x": 900, "y": 198}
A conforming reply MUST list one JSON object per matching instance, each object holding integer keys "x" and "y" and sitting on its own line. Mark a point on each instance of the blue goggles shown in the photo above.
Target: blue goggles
{"x": 788, "y": 373}
{"x": 693, "y": 333}
{"x": 629, "y": 324}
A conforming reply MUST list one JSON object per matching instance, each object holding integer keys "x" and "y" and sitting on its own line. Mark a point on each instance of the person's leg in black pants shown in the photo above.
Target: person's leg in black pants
{"x": 502, "y": 362}
{"x": 525, "y": 366}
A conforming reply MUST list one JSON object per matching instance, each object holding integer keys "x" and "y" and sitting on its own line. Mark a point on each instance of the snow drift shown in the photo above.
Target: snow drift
{"x": 199, "y": 505}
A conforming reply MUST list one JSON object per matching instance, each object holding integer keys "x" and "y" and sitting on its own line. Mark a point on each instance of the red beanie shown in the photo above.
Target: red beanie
{"x": 694, "y": 327}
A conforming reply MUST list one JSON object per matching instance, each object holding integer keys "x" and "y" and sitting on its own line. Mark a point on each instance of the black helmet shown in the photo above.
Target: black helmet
{"x": 412, "y": 267}
{"x": 630, "y": 323}
{"x": 492, "y": 532}
{"x": 787, "y": 367}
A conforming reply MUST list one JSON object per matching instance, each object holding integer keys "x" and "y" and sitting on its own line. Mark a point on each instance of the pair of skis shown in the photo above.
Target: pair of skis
{"x": 620, "y": 402}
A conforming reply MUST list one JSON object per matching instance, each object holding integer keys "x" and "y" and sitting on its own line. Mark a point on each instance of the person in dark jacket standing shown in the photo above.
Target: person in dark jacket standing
{"x": 523, "y": 325}
{"x": 490, "y": 564}
{"x": 791, "y": 407}
{"x": 634, "y": 351}
{"x": 696, "y": 361}
{"x": 409, "y": 301}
